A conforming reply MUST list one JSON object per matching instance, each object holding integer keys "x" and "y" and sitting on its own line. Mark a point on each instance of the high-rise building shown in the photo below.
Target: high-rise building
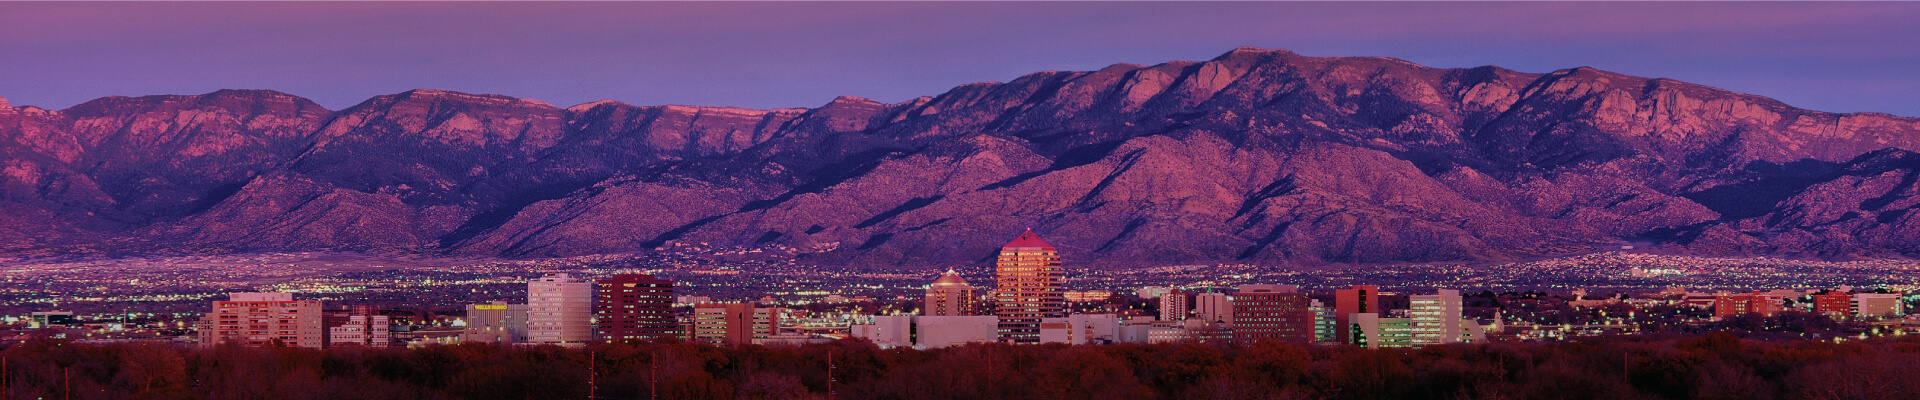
{"x": 1029, "y": 282}
{"x": 1360, "y": 299}
{"x": 1435, "y": 318}
{"x": 723, "y": 324}
{"x": 1324, "y": 328}
{"x": 950, "y": 296}
{"x": 1877, "y": 305}
{"x": 559, "y": 310}
{"x": 364, "y": 327}
{"x": 496, "y": 322}
{"x": 633, "y": 307}
{"x": 1213, "y": 307}
{"x": 766, "y": 322}
{"x": 1370, "y": 330}
{"x": 1174, "y": 305}
{"x": 257, "y": 319}
{"x": 1272, "y": 312}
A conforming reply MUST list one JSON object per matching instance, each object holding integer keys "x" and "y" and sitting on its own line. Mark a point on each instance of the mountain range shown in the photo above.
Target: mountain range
{"x": 1256, "y": 156}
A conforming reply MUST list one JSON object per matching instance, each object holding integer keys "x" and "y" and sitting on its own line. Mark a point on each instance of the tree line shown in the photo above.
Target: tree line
{"x": 1666, "y": 366}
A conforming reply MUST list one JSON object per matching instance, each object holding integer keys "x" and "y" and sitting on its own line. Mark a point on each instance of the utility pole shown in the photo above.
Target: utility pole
{"x": 593, "y": 371}
{"x": 829, "y": 374}
{"x": 654, "y": 374}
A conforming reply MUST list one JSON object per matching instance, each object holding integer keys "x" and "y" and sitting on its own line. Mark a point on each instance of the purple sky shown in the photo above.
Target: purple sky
{"x": 1826, "y": 56}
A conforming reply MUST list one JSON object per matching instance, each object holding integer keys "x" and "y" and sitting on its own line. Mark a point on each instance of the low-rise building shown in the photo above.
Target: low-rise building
{"x": 496, "y": 322}
{"x": 1877, "y": 305}
{"x": 925, "y": 332}
{"x": 1081, "y": 329}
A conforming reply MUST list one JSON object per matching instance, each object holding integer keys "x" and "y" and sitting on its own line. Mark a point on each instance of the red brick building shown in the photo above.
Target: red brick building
{"x": 1833, "y": 303}
{"x": 1727, "y": 305}
{"x": 633, "y": 306}
{"x": 1361, "y": 299}
{"x": 1271, "y": 312}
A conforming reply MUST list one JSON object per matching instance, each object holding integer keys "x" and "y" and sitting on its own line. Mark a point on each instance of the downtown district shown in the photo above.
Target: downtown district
{"x": 1029, "y": 304}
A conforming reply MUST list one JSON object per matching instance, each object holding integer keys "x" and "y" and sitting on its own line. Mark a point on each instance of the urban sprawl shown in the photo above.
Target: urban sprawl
{"x": 1030, "y": 302}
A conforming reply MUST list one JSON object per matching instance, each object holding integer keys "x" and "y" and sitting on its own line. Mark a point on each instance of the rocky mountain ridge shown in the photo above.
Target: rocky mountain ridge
{"x": 1259, "y": 156}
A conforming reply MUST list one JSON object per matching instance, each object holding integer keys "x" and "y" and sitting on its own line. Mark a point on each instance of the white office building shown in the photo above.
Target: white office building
{"x": 1436, "y": 319}
{"x": 1214, "y": 307}
{"x": 559, "y": 310}
{"x": 1081, "y": 329}
{"x": 1877, "y": 305}
{"x": 926, "y": 332}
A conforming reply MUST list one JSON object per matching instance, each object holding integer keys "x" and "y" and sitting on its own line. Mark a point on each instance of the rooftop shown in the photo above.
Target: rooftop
{"x": 1029, "y": 239}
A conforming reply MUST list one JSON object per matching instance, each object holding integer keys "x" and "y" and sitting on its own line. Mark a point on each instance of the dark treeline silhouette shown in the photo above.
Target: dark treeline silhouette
{"x": 1711, "y": 366}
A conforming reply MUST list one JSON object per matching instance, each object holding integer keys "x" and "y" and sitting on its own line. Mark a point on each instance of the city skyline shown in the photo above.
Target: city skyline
{"x": 806, "y": 200}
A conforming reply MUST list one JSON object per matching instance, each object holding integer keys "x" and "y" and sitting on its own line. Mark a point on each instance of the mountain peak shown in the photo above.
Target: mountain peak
{"x": 251, "y": 93}
{"x": 1250, "y": 51}
{"x": 1261, "y": 156}
{"x": 440, "y": 95}
{"x": 851, "y": 100}
{"x": 583, "y": 107}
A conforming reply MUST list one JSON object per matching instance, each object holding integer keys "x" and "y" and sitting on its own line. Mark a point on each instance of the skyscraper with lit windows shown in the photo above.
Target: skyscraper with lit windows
{"x": 633, "y": 306}
{"x": 1029, "y": 287}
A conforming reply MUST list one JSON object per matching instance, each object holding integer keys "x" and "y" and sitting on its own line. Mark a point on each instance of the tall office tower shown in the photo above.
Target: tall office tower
{"x": 1174, "y": 306}
{"x": 949, "y": 296}
{"x": 1029, "y": 286}
{"x": 1323, "y": 326}
{"x": 1214, "y": 307}
{"x": 1435, "y": 318}
{"x": 496, "y": 322}
{"x": 633, "y": 306}
{"x": 1358, "y": 300}
{"x": 364, "y": 327}
{"x": 559, "y": 310}
{"x": 1272, "y": 312}
{"x": 766, "y": 322}
{"x": 256, "y": 319}
{"x": 723, "y": 324}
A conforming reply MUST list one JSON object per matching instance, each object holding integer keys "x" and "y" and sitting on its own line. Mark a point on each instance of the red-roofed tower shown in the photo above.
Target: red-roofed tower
{"x": 1029, "y": 287}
